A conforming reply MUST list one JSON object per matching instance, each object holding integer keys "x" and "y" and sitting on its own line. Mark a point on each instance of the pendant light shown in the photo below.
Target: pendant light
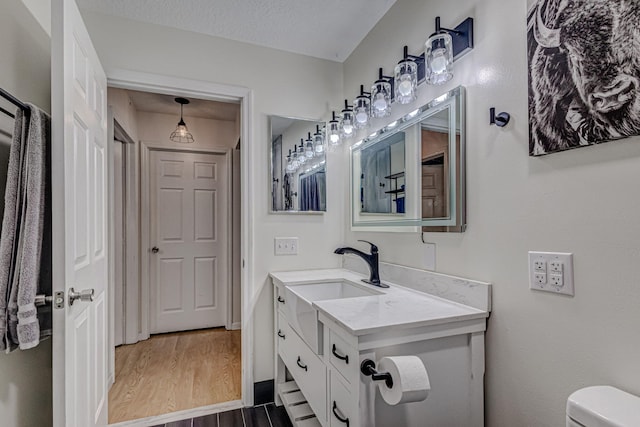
{"x": 182, "y": 134}
{"x": 362, "y": 108}
{"x": 406, "y": 78}
{"x": 381, "y": 96}
{"x": 318, "y": 142}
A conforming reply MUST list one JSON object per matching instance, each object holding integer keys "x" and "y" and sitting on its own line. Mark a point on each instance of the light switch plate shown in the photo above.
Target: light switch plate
{"x": 557, "y": 269}
{"x": 286, "y": 245}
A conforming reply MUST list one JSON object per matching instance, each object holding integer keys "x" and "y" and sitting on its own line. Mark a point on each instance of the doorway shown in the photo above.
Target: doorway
{"x": 182, "y": 308}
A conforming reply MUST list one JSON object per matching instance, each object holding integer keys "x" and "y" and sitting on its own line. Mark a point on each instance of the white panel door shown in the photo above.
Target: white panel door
{"x": 189, "y": 274}
{"x": 80, "y": 252}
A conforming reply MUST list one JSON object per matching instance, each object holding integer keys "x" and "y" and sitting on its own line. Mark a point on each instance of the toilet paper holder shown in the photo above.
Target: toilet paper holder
{"x": 368, "y": 368}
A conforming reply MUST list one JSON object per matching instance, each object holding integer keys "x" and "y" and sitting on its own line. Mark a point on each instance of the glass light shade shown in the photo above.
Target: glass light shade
{"x": 439, "y": 59}
{"x": 301, "y": 157}
{"x": 381, "y": 99}
{"x": 182, "y": 134}
{"x": 333, "y": 133}
{"x": 294, "y": 161}
{"x": 361, "y": 109}
{"x": 290, "y": 168}
{"x": 347, "y": 127}
{"x": 318, "y": 143}
{"x": 309, "y": 149}
{"x": 406, "y": 81}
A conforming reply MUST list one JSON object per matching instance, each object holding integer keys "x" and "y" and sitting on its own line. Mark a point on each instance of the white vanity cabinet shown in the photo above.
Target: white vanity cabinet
{"x": 320, "y": 383}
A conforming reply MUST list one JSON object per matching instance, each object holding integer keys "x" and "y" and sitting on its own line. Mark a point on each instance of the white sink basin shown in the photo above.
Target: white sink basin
{"x": 304, "y": 317}
{"x": 331, "y": 290}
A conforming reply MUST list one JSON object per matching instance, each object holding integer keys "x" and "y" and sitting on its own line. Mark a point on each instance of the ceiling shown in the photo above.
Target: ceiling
{"x": 327, "y": 29}
{"x": 166, "y": 104}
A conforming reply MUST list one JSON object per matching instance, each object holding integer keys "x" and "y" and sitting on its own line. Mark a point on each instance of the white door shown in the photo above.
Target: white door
{"x": 80, "y": 254}
{"x": 189, "y": 273}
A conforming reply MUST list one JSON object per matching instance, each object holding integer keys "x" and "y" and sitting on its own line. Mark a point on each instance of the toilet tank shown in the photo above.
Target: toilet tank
{"x": 603, "y": 406}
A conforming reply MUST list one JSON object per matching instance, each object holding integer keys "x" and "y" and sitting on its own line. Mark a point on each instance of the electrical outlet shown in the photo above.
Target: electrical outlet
{"x": 556, "y": 280}
{"x": 286, "y": 245}
{"x": 551, "y": 272}
{"x": 540, "y": 279}
{"x": 540, "y": 265}
{"x": 555, "y": 266}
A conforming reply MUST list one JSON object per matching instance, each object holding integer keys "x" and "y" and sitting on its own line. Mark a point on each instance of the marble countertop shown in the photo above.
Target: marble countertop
{"x": 394, "y": 307}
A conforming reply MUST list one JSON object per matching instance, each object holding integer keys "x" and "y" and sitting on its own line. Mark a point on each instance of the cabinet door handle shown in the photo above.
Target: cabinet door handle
{"x": 338, "y": 416}
{"x": 336, "y": 354}
{"x": 299, "y": 362}
{"x": 281, "y": 300}
{"x": 280, "y": 334}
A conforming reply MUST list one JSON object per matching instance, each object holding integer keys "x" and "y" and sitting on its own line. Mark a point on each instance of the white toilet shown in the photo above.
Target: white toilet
{"x": 603, "y": 406}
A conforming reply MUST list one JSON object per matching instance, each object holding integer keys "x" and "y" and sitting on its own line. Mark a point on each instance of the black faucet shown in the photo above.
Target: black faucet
{"x": 371, "y": 260}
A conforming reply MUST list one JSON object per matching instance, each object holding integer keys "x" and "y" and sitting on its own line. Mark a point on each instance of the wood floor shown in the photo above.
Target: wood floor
{"x": 176, "y": 371}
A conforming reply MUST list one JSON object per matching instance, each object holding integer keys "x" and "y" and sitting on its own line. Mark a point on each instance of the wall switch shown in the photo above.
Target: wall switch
{"x": 551, "y": 272}
{"x": 286, "y": 245}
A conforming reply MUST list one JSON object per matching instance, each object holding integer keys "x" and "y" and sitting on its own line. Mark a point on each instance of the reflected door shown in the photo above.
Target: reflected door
{"x": 189, "y": 234}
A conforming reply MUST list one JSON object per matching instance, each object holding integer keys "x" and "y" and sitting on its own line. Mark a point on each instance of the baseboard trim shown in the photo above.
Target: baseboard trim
{"x": 263, "y": 392}
{"x": 181, "y": 415}
{"x": 235, "y": 326}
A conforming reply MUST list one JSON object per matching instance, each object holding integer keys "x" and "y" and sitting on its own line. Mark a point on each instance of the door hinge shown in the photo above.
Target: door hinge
{"x": 58, "y": 299}
{"x": 242, "y": 263}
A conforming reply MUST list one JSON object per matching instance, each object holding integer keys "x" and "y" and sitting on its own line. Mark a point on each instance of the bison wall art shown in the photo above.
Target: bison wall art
{"x": 584, "y": 72}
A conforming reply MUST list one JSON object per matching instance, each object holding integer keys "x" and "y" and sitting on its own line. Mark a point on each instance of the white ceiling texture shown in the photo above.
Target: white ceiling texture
{"x": 327, "y": 29}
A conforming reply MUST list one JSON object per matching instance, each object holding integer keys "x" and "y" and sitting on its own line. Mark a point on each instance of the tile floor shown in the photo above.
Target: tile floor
{"x": 259, "y": 416}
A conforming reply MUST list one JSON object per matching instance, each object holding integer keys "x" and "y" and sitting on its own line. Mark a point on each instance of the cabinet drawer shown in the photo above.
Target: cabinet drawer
{"x": 307, "y": 370}
{"x": 343, "y": 357}
{"x": 343, "y": 406}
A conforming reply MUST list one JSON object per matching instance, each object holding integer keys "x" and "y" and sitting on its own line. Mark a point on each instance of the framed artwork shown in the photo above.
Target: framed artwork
{"x": 584, "y": 72}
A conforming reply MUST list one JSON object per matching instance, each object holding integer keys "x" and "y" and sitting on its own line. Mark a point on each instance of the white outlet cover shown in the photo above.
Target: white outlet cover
{"x": 558, "y": 264}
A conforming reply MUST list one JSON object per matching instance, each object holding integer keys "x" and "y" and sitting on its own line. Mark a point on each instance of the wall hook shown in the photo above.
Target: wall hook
{"x": 500, "y": 120}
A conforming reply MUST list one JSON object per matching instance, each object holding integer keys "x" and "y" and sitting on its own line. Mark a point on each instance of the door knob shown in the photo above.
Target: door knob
{"x": 155, "y": 249}
{"x": 84, "y": 295}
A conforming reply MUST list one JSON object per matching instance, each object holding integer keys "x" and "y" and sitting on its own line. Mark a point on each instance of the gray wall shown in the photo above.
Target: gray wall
{"x": 25, "y": 376}
{"x": 540, "y": 347}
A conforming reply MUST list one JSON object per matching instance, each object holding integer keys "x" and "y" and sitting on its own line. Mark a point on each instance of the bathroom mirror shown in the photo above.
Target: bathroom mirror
{"x": 411, "y": 172}
{"x": 298, "y": 182}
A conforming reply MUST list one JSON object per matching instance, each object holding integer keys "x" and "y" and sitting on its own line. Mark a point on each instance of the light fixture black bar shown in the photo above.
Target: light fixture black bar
{"x": 388, "y": 79}
{"x": 420, "y": 62}
{"x": 363, "y": 93}
{"x": 461, "y": 36}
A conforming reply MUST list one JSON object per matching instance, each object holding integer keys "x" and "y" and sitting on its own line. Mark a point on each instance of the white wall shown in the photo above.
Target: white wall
{"x": 25, "y": 376}
{"x": 282, "y": 83}
{"x": 540, "y": 347}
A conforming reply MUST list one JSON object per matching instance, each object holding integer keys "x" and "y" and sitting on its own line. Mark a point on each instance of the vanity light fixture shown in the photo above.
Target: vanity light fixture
{"x": 301, "y": 156}
{"x": 362, "y": 108}
{"x": 290, "y": 168}
{"x": 182, "y": 134}
{"x": 406, "y": 77}
{"x": 443, "y": 47}
{"x": 318, "y": 142}
{"x": 308, "y": 147}
{"x": 347, "y": 127}
{"x": 333, "y": 131}
{"x": 381, "y": 92}
{"x": 294, "y": 160}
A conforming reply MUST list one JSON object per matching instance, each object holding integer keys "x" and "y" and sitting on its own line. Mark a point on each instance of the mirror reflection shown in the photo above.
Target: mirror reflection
{"x": 382, "y": 180}
{"x": 298, "y": 165}
{"x": 411, "y": 172}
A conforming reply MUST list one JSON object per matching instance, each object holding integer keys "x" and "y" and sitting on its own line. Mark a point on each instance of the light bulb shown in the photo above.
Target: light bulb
{"x": 405, "y": 86}
{"x": 362, "y": 116}
{"x": 439, "y": 62}
{"x": 380, "y": 103}
{"x": 348, "y": 129}
{"x": 334, "y": 138}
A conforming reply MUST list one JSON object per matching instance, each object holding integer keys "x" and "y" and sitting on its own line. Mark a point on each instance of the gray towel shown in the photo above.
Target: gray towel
{"x": 10, "y": 222}
{"x": 30, "y": 270}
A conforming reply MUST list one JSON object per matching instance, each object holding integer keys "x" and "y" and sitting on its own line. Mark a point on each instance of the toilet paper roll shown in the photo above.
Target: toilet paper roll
{"x": 410, "y": 379}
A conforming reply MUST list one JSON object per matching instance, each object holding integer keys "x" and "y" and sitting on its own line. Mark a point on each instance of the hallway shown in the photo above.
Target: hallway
{"x": 175, "y": 371}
